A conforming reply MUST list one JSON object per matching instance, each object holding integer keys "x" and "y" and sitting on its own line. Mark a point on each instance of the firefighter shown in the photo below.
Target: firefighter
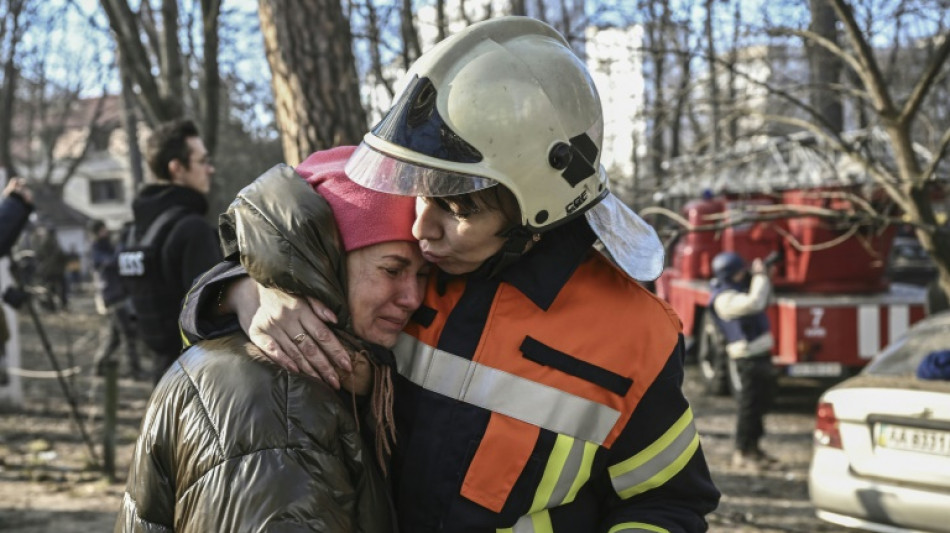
{"x": 539, "y": 384}
{"x": 738, "y": 301}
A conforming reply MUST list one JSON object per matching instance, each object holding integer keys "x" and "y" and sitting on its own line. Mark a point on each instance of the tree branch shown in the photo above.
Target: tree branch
{"x": 931, "y": 171}
{"x": 923, "y": 85}
{"x": 823, "y": 42}
{"x": 873, "y": 78}
{"x": 136, "y": 60}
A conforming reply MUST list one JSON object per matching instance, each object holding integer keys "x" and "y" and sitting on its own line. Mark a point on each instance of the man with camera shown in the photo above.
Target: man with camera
{"x": 738, "y": 301}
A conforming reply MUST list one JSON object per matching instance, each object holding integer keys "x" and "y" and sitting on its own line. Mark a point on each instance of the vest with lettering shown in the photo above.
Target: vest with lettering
{"x": 141, "y": 270}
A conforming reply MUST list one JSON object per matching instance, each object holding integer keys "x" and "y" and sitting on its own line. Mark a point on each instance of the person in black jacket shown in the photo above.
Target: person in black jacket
{"x": 188, "y": 245}
{"x": 15, "y": 209}
{"x": 112, "y": 301}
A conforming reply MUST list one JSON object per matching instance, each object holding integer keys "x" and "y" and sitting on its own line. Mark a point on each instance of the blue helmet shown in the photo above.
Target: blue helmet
{"x": 726, "y": 264}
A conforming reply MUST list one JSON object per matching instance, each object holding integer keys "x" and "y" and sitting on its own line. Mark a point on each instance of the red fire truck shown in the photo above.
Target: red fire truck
{"x": 833, "y": 307}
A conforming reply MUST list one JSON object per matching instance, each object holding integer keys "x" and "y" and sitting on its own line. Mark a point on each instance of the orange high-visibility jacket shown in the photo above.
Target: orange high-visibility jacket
{"x": 547, "y": 400}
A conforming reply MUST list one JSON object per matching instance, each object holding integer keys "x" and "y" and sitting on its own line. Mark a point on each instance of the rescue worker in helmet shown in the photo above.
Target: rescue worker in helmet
{"x": 539, "y": 385}
{"x": 738, "y": 301}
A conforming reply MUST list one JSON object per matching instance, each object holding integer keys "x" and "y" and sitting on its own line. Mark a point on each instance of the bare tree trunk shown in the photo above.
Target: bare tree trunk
{"x": 440, "y": 21}
{"x": 937, "y": 243}
{"x": 682, "y": 95}
{"x": 656, "y": 30}
{"x": 172, "y": 83}
{"x": 540, "y": 12}
{"x": 733, "y": 60}
{"x": 375, "y": 43}
{"x": 714, "y": 112}
{"x": 8, "y": 90}
{"x": 130, "y": 124}
{"x": 313, "y": 73}
{"x": 410, "y": 38}
{"x": 211, "y": 88}
{"x": 824, "y": 66}
{"x": 517, "y": 8}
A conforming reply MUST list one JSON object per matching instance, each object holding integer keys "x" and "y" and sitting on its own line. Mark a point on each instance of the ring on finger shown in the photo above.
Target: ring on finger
{"x": 299, "y": 338}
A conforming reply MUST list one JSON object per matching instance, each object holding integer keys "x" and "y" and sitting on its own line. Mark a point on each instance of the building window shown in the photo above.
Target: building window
{"x": 105, "y": 191}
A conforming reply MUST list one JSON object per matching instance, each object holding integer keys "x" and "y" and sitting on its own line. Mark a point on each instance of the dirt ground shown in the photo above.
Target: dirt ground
{"x": 47, "y": 484}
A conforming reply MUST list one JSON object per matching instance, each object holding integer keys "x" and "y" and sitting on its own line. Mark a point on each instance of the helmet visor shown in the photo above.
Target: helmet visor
{"x": 384, "y": 173}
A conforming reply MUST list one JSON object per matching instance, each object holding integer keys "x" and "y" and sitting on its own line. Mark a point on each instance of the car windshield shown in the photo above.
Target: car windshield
{"x": 903, "y": 357}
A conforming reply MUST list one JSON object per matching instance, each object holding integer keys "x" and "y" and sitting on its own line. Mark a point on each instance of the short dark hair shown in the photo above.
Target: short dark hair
{"x": 168, "y": 142}
{"x": 95, "y": 225}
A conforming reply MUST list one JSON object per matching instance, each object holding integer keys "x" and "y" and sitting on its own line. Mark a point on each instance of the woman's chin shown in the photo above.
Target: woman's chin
{"x": 385, "y": 335}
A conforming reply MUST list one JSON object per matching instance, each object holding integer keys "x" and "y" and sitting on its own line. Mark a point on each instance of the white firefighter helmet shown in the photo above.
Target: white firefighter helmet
{"x": 503, "y": 101}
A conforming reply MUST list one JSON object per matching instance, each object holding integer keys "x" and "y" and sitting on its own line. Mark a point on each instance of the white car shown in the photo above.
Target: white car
{"x": 881, "y": 459}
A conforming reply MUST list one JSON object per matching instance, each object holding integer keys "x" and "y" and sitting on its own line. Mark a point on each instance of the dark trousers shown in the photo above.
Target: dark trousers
{"x": 755, "y": 399}
{"x": 120, "y": 327}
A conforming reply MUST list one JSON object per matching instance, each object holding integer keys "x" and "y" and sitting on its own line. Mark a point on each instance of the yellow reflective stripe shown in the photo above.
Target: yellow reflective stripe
{"x": 659, "y": 462}
{"x": 552, "y": 472}
{"x": 568, "y": 469}
{"x": 541, "y": 522}
{"x": 586, "y": 465}
{"x": 632, "y": 527}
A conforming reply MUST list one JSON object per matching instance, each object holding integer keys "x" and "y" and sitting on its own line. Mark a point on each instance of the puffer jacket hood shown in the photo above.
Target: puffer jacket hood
{"x": 294, "y": 246}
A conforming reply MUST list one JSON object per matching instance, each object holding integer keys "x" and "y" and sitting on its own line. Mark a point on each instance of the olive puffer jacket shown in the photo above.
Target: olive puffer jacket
{"x": 230, "y": 443}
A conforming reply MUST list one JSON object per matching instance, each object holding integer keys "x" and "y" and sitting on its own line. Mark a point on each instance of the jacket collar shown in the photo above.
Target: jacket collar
{"x": 545, "y": 269}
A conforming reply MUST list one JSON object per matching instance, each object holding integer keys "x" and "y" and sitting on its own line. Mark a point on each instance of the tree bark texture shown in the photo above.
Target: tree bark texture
{"x": 714, "y": 110}
{"x": 824, "y": 66}
{"x": 211, "y": 87}
{"x": 313, "y": 74}
{"x": 125, "y": 29}
{"x": 8, "y": 88}
{"x": 410, "y": 38}
{"x": 909, "y": 190}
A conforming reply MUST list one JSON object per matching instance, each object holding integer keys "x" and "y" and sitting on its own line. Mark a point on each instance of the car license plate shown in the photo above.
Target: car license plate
{"x": 814, "y": 370}
{"x": 912, "y": 439}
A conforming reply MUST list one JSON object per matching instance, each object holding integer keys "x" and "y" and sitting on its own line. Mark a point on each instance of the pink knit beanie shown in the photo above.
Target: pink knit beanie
{"x": 364, "y": 216}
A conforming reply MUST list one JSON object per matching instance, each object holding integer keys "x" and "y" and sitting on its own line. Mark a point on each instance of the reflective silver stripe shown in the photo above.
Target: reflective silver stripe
{"x": 658, "y": 462}
{"x": 502, "y": 392}
{"x": 572, "y": 466}
{"x": 523, "y": 525}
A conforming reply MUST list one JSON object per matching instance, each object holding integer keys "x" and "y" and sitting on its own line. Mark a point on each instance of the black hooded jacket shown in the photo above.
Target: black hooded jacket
{"x": 192, "y": 246}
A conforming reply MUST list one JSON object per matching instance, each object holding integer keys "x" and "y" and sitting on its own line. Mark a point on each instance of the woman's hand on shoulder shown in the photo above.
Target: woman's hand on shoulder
{"x": 292, "y": 332}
